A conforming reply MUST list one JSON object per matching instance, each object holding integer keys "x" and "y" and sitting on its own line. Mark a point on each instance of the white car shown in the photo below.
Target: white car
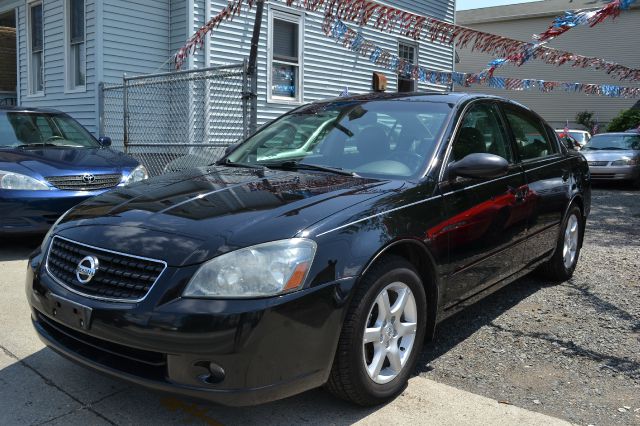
{"x": 582, "y": 136}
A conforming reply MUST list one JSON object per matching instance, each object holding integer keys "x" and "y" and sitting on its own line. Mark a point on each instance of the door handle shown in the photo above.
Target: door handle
{"x": 519, "y": 193}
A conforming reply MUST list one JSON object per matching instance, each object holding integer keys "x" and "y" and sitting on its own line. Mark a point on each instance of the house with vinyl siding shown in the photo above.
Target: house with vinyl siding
{"x": 66, "y": 48}
{"x": 613, "y": 40}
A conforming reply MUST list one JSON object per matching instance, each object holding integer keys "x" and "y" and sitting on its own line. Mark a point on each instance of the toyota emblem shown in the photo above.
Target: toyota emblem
{"x": 88, "y": 178}
{"x": 87, "y": 269}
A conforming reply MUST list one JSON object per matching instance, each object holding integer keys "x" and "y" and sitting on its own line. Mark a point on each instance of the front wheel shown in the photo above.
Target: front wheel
{"x": 382, "y": 335}
{"x": 565, "y": 259}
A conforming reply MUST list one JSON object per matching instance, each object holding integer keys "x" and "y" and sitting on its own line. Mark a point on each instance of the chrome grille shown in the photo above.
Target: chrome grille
{"x": 85, "y": 182}
{"x": 598, "y": 163}
{"x": 118, "y": 277}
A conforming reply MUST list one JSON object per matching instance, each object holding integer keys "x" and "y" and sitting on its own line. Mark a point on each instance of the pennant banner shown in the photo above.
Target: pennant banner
{"x": 592, "y": 18}
{"x": 354, "y": 41}
{"x": 387, "y": 18}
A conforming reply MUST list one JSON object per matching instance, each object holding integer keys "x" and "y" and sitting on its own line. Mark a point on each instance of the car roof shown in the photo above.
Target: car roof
{"x": 443, "y": 97}
{"x": 614, "y": 134}
{"x": 30, "y": 109}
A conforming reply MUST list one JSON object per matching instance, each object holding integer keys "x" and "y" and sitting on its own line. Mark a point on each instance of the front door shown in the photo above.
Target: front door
{"x": 486, "y": 218}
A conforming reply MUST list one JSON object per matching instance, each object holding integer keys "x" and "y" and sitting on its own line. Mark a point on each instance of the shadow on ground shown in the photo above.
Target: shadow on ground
{"x": 18, "y": 247}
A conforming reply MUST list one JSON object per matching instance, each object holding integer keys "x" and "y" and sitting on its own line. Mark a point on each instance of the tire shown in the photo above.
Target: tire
{"x": 559, "y": 267}
{"x": 350, "y": 378}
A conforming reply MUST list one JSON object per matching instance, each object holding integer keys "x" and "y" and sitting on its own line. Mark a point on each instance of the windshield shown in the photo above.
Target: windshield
{"x": 30, "y": 129}
{"x": 388, "y": 139}
{"x": 614, "y": 142}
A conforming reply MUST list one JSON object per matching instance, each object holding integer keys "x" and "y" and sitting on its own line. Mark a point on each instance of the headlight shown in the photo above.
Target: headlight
{"x": 262, "y": 270}
{"x": 10, "y": 180}
{"x": 625, "y": 162}
{"x": 138, "y": 174}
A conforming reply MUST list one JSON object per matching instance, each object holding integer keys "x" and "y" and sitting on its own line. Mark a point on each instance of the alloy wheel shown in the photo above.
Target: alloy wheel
{"x": 390, "y": 332}
{"x": 571, "y": 238}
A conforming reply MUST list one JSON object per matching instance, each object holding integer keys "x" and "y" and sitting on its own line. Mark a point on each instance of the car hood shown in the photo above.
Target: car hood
{"x": 609, "y": 155}
{"x": 189, "y": 217}
{"x": 64, "y": 161}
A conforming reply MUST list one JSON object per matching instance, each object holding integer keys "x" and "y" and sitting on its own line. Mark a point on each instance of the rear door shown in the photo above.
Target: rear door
{"x": 547, "y": 176}
{"x": 484, "y": 218}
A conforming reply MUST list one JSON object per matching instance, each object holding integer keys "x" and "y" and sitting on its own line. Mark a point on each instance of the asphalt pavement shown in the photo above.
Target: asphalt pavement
{"x": 38, "y": 387}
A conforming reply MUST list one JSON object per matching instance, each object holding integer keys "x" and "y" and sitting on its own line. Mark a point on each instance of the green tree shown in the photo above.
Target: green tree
{"x": 586, "y": 119}
{"x": 627, "y": 119}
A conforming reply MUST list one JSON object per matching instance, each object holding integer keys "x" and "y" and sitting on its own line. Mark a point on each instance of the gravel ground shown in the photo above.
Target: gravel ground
{"x": 570, "y": 350}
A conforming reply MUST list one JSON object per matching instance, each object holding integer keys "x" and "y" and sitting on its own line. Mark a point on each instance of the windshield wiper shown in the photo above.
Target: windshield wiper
{"x": 295, "y": 165}
{"x": 227, "y": 163}
{"x": 35, "y": 145}
{"x": 613, "y": 148}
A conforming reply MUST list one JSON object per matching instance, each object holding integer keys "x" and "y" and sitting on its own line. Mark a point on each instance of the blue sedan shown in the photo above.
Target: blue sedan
{"x": 48, "y": 164}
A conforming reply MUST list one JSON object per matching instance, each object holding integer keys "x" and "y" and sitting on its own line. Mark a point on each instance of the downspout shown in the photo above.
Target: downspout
{"x": 252, "y": 69}
{"x": 207, "y": 134}
{"x": 453, "y": 47}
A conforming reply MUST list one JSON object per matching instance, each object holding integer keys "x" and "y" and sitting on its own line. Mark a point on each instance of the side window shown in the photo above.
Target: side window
{"x": 532, "y": 140}
{"x": 482, "y": 130}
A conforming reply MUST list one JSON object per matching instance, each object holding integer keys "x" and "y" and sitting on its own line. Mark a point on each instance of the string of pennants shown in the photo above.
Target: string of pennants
{"x": 354, "y": 41}
{"x": 572, "y": 19}
{"x": 561, "y": 25}
{"x": 387, "y": 18}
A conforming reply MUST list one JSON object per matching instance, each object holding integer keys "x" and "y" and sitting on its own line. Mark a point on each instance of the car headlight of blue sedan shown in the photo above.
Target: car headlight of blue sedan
{"x": 138, "y": 174}
{"x": 17, "y": 181}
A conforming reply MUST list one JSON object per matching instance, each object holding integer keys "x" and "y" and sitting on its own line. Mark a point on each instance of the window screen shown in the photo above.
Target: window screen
{"x": 76, "y": 18}
{"x": 37, "y": 41}
{"x": 285, "y": 41}
{"x": 285, "y": 66}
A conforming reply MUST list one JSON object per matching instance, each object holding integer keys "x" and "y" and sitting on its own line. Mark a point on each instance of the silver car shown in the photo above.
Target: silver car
{"x": 614, "y": 156}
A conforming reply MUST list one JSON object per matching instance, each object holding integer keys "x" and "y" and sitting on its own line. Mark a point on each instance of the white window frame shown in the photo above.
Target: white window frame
{"x": 296, "y": 17}
{"x": 31, "y": 90}
{"x": 416, "y": 56}
{"x": 69, "y": 84}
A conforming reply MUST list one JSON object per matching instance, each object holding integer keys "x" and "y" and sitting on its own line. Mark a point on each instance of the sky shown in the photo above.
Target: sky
{"x": 474, "y": 4}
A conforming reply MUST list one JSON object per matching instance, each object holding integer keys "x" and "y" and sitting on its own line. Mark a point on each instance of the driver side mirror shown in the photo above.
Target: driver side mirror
{"x": 479, "y": 166}
{"x": 104, "y": 141}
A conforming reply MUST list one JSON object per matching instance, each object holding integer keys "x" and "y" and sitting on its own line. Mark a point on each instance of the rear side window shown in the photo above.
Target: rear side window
{"x": 532, "y": 141}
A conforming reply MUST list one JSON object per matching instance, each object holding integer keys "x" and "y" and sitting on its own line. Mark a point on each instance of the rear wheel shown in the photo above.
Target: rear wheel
{"x": 565, "y": 259}
{"x": 382, "y": 335}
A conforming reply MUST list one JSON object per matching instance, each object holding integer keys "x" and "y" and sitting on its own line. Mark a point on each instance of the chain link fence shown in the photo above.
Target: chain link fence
{"x": 177, "y": 120}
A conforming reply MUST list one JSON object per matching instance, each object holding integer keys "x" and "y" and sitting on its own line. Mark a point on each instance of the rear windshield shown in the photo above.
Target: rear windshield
{"x": 614, "y": 142}
{"x": 28, "y": 129}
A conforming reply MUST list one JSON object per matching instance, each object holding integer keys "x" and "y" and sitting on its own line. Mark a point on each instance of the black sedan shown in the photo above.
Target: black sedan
{"x": 323, "y": 250}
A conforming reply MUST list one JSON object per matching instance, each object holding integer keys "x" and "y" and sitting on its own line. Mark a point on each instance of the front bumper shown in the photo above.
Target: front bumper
{"x": 614, "y": 173}
{"x": 266, "y": 349}
{"x": 35, "y": 211}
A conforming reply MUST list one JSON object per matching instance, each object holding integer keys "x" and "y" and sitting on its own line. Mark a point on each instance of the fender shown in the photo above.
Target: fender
{"x": 432, "y": 288}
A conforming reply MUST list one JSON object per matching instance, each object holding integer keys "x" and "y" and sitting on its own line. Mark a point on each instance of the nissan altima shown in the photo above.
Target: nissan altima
{"x": 49, "y": 163}
{"x": 323, "y": 250}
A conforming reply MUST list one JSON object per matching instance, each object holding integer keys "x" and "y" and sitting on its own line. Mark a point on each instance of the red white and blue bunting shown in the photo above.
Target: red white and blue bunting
{"x": 572, "y": 19}
{"x": 510, "y": 51}
{"x": 354, "y": 41}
